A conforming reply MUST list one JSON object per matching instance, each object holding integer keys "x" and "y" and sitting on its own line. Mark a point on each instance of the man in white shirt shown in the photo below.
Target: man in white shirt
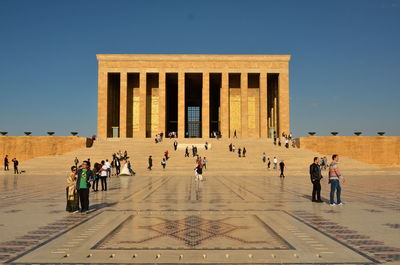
{"x": 103, "y": 176}
{"x": 108, "y": 165}
{"x": 275, "y": 162}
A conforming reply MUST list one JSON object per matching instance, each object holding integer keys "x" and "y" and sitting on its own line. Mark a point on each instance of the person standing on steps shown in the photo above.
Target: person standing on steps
{"x": 334, "y": 179}
{"x": 233, "y": 148}
{"x": 150, "y": 163}
{"x": 234, "y": 134}
{"x": 239, "y": 152}
{"x": 264, "y": 158}
{"x": 269, "y": 163}
{"x": 85, "y": 176}
{"x": 315, "y": 175}
{"x": 76, "y": 162}
{"x": 275, "y": 163}
{"x": 230, "y": 147}
{"x": 205, "y": 163}
{"x": 244, "y": 151}
{"x": 282, "y": 168}
{"x": 175, "y": 145}
{"x": 187, "y": 151}
{"x": 163, "y": 163}
{"x": 166, "y": 155}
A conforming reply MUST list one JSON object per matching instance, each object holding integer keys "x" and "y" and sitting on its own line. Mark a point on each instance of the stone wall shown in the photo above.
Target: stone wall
{"x": 377, "y": 150}
{"x": 27, "y": 147}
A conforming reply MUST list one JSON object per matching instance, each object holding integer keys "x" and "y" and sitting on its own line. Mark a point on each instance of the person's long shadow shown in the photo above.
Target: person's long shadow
{"x": 309, "y": 197}
{"x": 102, "y": 205}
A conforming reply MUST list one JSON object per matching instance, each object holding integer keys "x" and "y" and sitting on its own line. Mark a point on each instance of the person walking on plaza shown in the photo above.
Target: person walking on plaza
{"x": 96, "y": 171}
{"x": 230, "y": 147}
{"x": 85, "y": 176}
{"x": 108, "y": 165}
{"x": 103, "y": 176}
{"x": 206, "y": 146}
{"x": 166, "y": 155}
{"x": 129, "y": 165}
{"x": 264, "y": 158}
{"x": 16, "y": 163}
{"x": 234, "y": 134}
{"x": 76, "y": 162}
{"x": 275, "y": 163}
{"x": 282, "y": 168}
{"x": 334, "y": 179}
{"x": 175, "y": 145}
{"x": 6, "y": 162}
{"x": 244, "y": 151}
{"x": 269, "y": 163}
{"x": 233, "y": 148}
{"x": 239, "y": 152}
{"x": 163, "y": 163}
{"x": 72, "y": 196}
{"x": 315, "y": 175}
{"x": 117, "y": 164}
{"x": 150, "y": 163}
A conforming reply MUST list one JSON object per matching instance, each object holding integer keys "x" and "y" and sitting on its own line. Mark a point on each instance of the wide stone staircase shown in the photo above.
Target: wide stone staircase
{"x": 219, "y": 158}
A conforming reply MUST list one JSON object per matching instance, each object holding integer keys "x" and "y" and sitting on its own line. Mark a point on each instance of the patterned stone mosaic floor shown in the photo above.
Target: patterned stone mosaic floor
{"x": 166, "y": 217}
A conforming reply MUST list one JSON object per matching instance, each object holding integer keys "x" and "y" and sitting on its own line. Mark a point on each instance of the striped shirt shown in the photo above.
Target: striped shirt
{"x": 334, "y": 172}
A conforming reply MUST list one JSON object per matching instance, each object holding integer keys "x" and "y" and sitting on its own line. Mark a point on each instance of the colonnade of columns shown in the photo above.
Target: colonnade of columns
{"x": 275, "y": 115}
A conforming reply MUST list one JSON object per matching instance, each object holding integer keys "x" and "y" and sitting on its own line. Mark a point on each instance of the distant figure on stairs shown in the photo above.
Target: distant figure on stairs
{"x": 264, "y": 158}
{"x": 150, "y": 163}
{"x": 175, "y": 145}
{"x": 282, "y": 168}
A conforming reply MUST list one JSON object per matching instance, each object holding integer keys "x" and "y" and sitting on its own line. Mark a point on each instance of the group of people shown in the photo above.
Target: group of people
{"x": 275, "y": 161}
{"x": 78, "y": 186}
{"x": 7, "y": 162}
{"x": 335, "y": 180}
{"x": 159, "y": 137}
{"x": 287, "y": 139}
{"x": 241, "y": 152}
{"x": 201, "y": 163}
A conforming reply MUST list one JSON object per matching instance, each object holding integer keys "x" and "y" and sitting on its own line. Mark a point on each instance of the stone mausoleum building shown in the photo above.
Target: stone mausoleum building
{"x": 141, "y": 95}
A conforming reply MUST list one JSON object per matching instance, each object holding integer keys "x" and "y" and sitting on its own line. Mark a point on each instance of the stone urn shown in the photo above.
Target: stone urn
{"x": 381, "y": 133}
{"x": 334, "y": 133}
{"x": 74, "y": 133}
{"x": 311, "y": 133}
{"x": 357, "y": 133}
{"x": 3, "y": 133}
{"x": 27, "y": 133}
{"x": 50, "y": 133}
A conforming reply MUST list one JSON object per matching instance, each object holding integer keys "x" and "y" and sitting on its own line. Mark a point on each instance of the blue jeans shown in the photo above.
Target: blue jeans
{"x": 335, "y": 186}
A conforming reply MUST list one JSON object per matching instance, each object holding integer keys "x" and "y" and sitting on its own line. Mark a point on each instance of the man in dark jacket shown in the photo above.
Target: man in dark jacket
{"x": 315, "y": 175}
{"x": 85, "y": 176}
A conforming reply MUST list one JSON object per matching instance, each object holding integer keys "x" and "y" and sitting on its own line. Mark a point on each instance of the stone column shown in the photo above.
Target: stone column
{"x": 244, "y": 105}
{"x": 123, "y": 102}
{"x": 224, "y": 105}
{"x": 142, "y": 105}
{"x": 283, "y": 101}
{"x": 161, "y": 103}
{"x": 102, "y": 114}
{"x": 181, "y": 104}
{"x": 263, "y": 105}
{"x": 205, "y": 108}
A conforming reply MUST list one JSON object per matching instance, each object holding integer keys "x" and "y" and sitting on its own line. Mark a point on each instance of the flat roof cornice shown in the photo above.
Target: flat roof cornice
{"x": 193, "y": 57}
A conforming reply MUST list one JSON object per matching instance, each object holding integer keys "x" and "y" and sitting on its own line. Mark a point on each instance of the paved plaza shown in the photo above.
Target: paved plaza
{"x": 242, "y": 213}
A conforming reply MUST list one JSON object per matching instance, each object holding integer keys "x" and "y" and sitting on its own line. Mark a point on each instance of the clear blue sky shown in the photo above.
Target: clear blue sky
{"x": 344, "y": 72}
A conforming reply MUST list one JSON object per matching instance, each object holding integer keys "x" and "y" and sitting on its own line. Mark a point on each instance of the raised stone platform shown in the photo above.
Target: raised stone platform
{"x": 241, "y": 214}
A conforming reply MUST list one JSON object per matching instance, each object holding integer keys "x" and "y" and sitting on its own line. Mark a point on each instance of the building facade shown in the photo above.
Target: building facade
{"x": 141, "y": 95}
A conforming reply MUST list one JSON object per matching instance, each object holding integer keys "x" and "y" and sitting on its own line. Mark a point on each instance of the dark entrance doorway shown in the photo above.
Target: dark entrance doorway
{"x": 193, "y": 100}
{"x": 171, "y": 115}
{"x": 194, "y": 125}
